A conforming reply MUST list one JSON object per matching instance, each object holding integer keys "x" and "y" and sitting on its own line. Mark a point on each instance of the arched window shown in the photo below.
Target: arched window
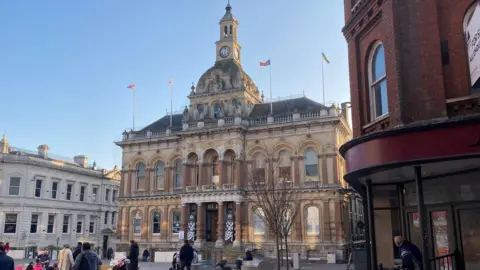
{"x": 311, "y": 165}
{"x": 159, "y": 175}
{"x": 258, "y": 223}
{"x": 225, "y": 30}
{"x": 231, "y": 29}
{"x": 156, "y": 222}
{"x": 471, "y": 46}
{"x": 215, "y": 170}
{"x": 217, "y": 110}
{"x": 141, "y": 176}
{"x": 178, "y": 174}
{"x": 195, "y": 171}
{"x": 176, "y": 221}
{"x": 312, "y": 216}
{"x": 137, "y": 224}
{"x": 284, "y": 165}
{"x": 259, "y": 170}
{"x": 378, "y": 83}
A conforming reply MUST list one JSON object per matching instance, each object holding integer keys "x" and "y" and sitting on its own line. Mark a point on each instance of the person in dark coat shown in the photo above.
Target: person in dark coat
{"x": 133, "y": 255}
{"x": 77, "y": 250}
{"x": 6, "y": 262}
{"x": 187, "y": 253}
{"x": 87, "y": 260}
{"x": 410, "y": 253}
{"x": 145, "y": 255}
{"x": 110, "y": 254}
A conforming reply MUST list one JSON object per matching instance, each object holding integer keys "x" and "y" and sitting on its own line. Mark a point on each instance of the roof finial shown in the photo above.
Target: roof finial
{"x": 4, "y": 136}
{"x": 228, "y": 7}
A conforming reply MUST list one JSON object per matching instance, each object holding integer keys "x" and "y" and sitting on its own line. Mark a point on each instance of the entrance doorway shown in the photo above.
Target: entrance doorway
{"x": 105, "y": 246}
{"x": 212, "y": 221}
{"x": 469, "y": 220}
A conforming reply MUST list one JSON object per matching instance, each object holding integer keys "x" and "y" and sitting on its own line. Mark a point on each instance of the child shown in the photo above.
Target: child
{"x": 38, "y": 266}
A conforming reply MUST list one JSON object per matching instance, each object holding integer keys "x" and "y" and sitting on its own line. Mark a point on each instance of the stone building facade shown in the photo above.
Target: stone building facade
{"x": 188, "y": 173}
{"x": 46, "y": 201}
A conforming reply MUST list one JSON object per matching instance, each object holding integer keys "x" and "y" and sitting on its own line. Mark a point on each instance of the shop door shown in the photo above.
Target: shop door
{"x": 211, "y": 228}
{"x": 469, "y": 232}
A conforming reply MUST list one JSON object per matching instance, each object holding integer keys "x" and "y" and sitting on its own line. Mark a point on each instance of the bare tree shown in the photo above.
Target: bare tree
{"x": 272, "y": 193}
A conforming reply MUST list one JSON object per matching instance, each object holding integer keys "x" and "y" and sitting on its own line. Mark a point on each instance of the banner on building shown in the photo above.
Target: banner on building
{"x": 472, "y": 34}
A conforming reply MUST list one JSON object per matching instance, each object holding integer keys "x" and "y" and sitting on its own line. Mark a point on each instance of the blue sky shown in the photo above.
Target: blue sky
{"x": 65, "y": 65}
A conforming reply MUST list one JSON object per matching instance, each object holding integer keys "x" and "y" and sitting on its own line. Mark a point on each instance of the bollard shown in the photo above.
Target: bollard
{"x": 296, "y": 261}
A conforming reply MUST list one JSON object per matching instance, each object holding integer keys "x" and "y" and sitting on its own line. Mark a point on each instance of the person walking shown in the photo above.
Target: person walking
{"x": 65, "y": 258}
{"x": 87, "y": 260}
{"x": 110, "y": 254}
{"x": 186, "y": 256}
{"x": 6, "y": 262}
{"x": 410, "y": 253}
{"x": 133, "y": 255}
{"x": 77, "y": 250}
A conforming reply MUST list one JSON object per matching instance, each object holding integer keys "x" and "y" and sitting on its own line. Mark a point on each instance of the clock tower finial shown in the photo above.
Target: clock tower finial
{"x": 227, "y": 46}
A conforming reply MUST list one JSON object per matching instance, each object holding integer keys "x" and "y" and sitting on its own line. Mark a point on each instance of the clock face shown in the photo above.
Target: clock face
{"x": 224, "y": 51}
{"x": 237, "y": 53}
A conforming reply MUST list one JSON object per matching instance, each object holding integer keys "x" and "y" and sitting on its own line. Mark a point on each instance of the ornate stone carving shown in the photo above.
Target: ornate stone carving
{"x": 229, "y": 227}
{"x": 191, "y": 228}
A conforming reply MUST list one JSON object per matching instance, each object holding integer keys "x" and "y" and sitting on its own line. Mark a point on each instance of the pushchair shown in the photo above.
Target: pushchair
{"x": 175, "y": 262}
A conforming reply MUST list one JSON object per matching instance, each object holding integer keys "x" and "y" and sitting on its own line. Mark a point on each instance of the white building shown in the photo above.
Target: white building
{"x": 51, "y": 202}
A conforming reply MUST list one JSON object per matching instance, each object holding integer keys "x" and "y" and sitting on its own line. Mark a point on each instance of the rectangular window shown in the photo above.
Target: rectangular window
{"x": 10, "y": 223}
{"x": 80, "y": 225}
{"x": 137, "y": 225}
{"x": 260, "y": 174}
{"x": 113, "y": 218}
{"x": 258, "y": 224}
{"x": 14, "y": 188}
{"x": 156, "y": 223}
{"x": 82, "y": 193}
{"x": 94, "y": 194}
{"x": 106, "y": 218}
{"x": 284, "y": 173}
{"x": 91, "y": 228}
{"x": 176, "y": 222}
{"x": 34, "y": 223}
{"x": 51, "y": 223}
{"x": 38, "y": 188}
{"x": 69, "y": 192}
{"x": 107, "y": 195}
{"x": 114, "y": 195}
{"x": 66, "y": 224}
{"x": 54, "y": 190}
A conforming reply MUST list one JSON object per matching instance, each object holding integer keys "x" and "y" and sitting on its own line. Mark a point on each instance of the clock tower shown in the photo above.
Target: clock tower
{"x": 227, "y": 46}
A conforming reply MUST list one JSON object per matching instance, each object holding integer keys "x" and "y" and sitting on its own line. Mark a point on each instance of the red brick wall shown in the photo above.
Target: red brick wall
{"x": 411, "y": 31}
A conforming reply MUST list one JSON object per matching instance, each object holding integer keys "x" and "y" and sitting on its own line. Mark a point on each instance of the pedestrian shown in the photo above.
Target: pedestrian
{"x": 77, "y": 250}
{"x": 145, "y": 255}
{"x": 110, "y": 253}
{"x": 44, "y": 258}
{"x": 7, "y": 247}
{"x": 410, "y": 253}
{"x": 186, "y": 255}
{"x": 38, "y": 265}
{"x": 133, "y": 255}
{"x": 65, "y": 258}
{"x": 248, "y": 257}
{"x": 6, "y": 262}
{"x": 87, "y": 260}
{"x": 30, "y": 266}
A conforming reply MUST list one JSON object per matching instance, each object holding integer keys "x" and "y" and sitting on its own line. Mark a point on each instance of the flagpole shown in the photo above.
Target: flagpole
{"x": 323, "y": 82}
{"x": 134, "y": 91}
{"x": 171, "y": 103}
{"x": 271, "y": 97}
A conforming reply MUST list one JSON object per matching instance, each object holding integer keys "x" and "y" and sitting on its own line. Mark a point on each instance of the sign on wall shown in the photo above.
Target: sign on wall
{"x": 472, "y": 34}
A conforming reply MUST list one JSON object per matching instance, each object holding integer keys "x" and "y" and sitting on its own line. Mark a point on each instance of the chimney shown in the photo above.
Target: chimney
{"x": 81, "y": 160}
{"x": 43, "y": 150}
{"x": 345, "y": 106}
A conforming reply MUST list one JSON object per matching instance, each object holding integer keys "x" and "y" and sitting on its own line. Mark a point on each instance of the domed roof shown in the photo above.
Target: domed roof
{"x": 225, "y": 75}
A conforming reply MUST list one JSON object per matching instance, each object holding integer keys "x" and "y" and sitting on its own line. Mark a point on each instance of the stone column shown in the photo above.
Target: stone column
{"x": 119, "y": 222}
{"x": 336, "y": 174}
{"x": 148, "y": 172}
{"x": 185, "y": 176}
{"x": 168, "y": 185}
{"x": 324, "y": 172}
{"x": 339, "y": 222}
{"x": 145, "y": 223}
{"x": 223, "y": 177}
{"x": 184, "y": 218}
{"x": 296, "y": 171}
{"x": 200, "y": 176}
{"x": 245, "y": 220}
{"x": 130, "y": 181}
{"x": 200, "y": 225}
{"x": 122, "y": 183}
{"x": 220, "y": 226}
{"x": 238, "y": 225}
{"x": 165, "y": 220}
{"x": 297, "y": 225}
{"x": 237, "y": 173}
{"x": 206, "y": 177}
{"x": 326, "y": 225}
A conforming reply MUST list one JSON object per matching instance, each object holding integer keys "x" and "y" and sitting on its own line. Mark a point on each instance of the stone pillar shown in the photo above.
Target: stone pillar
{"x": 145, "y": 223}
{"x": 324, "y": 172}
{"x": 297, "y": 225}
{"x": 119, "y": 222}
{"x": 148, "y": 172}
{"x": 270, "y": 171}
{"x": 326, "y": 225}
{"x": 238, "y": 225}
{"x": 237, "y": 173}
{"x": 200, "y": 225}
{"x": 336, "y": 174}
{"x": 130, "y": 181}
{"x": 206, "y": 177}
{"x": 122, "y": 183}
{"x": 296, "y": 171}
{"x": 245, "y": 220}
{"x": 165, "y": 219}
{"x": 338, "y": 222}
{"x": 185, "y": 176}
{"x": 200, "y": 176}
{"x": 220, "y": 225}
{"x": 168, "y": 185}
{"x": 223, "y": 177}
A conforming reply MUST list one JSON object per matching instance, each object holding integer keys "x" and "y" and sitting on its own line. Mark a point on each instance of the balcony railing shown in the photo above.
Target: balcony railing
{"x": 209, "y": 187}
{"x": 177, "y": 190}
{"x": 191, "y": 189}
{"x": 229, "y": 187}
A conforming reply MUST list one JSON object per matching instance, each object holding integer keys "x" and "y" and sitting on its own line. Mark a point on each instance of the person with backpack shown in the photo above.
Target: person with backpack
{"x": 187, "y": 255}
{"x": 87, "y": 260}
{"x": 6, "y": 262}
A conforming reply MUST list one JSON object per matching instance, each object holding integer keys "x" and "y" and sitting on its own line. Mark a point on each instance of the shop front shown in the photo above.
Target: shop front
{"x": 421, "y": 182}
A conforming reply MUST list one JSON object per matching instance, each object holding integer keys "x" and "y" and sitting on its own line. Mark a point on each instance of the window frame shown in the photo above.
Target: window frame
{"x": 79, "y": 222}
{"x": 107, "y": 195}
{"x": 178, "y": 174}
{"x": 315, "y": 223}
{"x": 106, "y": 218}
{"x": 69, "y": 217}
{"x": 94, "y": 193}
{"x": 159, "y": 176}
{"x": 52, "y": 225}
{"x": 54, "y": 194}
{"x": 114, "y": 195}
{"x": 466, "y": 19}
{"x": 68, "y": 194}
{"x": 37, "y": 188}
{"x": 113, "y": 217}
{"x": 136, "y": 219}
{"x": 305, "y": 164}
{"x": 82, "y": 195}
{"x": 158, "y": 223}
{"x": 256, "y": 215}
{"x": 91, "y": 225}
{"x": 17, "y": 187}
{"x": 173, "y": 225}
{"x": 139, "y": 177}
{"x": 372, "y": 84}
{"x": 6, "y": 223}
{"x": 34, "y": 224}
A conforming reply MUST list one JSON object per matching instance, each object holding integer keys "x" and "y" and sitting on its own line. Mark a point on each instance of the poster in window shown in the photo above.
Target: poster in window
{"x": 416, "y": 220}
{"x": 440, "y": 236}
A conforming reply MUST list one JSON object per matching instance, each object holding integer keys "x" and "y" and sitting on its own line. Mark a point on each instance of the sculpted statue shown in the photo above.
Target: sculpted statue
{"x": 185, "y": 114}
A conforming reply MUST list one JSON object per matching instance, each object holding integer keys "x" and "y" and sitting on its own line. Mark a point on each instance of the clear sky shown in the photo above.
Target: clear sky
{"x": 65, "y": 65}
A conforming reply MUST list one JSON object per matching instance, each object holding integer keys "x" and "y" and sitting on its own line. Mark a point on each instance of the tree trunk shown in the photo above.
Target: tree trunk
{"x": 278, "y": 253}
{"x": 286, "y": 252}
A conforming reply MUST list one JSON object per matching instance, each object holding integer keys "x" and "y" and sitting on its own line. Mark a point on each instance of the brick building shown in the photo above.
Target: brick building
{"x": 415, "y": 99}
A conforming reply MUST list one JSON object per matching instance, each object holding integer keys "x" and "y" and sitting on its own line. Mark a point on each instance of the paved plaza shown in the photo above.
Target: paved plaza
{"x": 166, "y": 266}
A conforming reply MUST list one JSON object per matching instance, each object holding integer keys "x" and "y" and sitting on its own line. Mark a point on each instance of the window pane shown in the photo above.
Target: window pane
{"x": 175, "y": 222}
{"x": 34, "y": 223}
{"x": 156, "y": 223}
{"x": 159, "y": 175}
{"x": 51, "y": 223}
{"x": 137, "y": 225}
{"x": 178, "y": 174}
{"x": 66, "y": 223}
{"x": 38, "y": 188}
{"x": 69, "y": 192}
{"x": 381, "y": 99}
{"x": 141, "y": 176}
{"x": 54, "y": 190}
{"x": 258, "y": 224}
{"x": 14, "y": 186}
{"x": 312, "y": 220}
{"x": 378, "y": 68}
{"x": 91, "y": 228}
{"x": 10, "y": 223}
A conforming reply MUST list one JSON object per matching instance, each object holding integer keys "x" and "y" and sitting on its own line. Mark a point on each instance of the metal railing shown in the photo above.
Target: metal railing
{"x": 445, "y": 262}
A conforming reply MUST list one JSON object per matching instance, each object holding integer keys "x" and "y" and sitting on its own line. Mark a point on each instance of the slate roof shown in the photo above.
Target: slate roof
{"x": 302, "y": 104}
{"x": 163, "y": 124}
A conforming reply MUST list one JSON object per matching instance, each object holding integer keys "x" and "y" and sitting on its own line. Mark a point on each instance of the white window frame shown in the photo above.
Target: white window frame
{"x": 31, "y": 223}
{"x": 41, "y": 187}
{"x": 107, "y": 195}
{"x": 56, "y": 191}
{"x": 161, "y": 176}
{"x": 313, "y": 178}
{"x": 68, "y": 224}
{"x": 71, "y": 191}
{"x": 16, "y": 223}
{"x": 372, "y": 84}
{"x": 53, "y": 225}
{"x": 139, "y": 178}
{"x": 173, "y": 221}
{"x": 114, "y": 195}
{"x": 159, "y": 222}
{"x": 84, "y": 193}
{"x": 92, "y": 220}
{"x": 257, "y": 214}
{"x": 95, "y": 193}
{"x": 79, "y": 221}
{"x": 18, "y": 187}
{"x": 136, "y": 219}
{"x": 315, "y": 223}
